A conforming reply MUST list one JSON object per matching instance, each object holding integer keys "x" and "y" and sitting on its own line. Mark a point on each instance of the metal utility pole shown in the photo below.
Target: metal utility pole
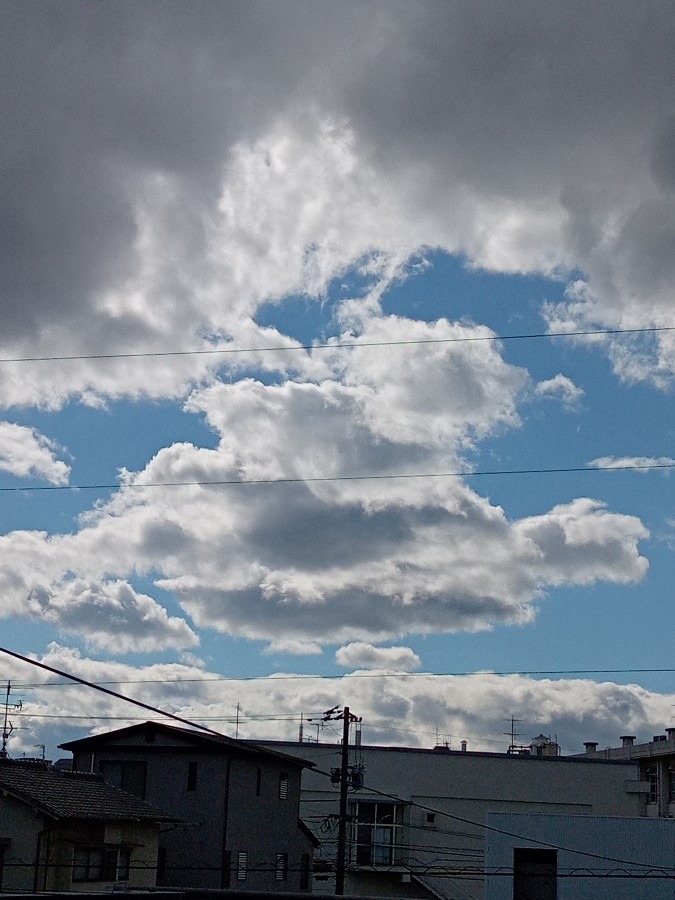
{"x": 340, "y": 863}
{"x": 341, "y": 859}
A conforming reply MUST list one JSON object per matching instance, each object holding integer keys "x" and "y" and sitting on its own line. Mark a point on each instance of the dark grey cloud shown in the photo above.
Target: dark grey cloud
{"x": 95, "y": 96}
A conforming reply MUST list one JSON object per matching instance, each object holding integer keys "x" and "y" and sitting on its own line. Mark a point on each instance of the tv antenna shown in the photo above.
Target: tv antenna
{"x": 7, "y": 727}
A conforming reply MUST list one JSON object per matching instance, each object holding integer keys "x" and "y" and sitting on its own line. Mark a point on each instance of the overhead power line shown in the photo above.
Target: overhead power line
{"x": 232, "y": 482}
{"x": 340, "y": 345}
{"x": 352, "y": 675}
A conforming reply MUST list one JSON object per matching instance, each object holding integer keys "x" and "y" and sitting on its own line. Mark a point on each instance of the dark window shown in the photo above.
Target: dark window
{"x": 126, "y": 775}
{"x": 226, "y": 874}
{"x": 535, "y": 874}
{"x": 304, "y": 871}
{"x": 377, "y": 832}
{"x": 3, "y": 844}
{"x": 161, "y": 863}
{"x": 101, "y": 864}
{"x": 283, "y": 786}
{"x": 258, "y": 782}
{"x": 281, "y": 867}
{"x": 192, "y": 776}
{"x": 431, "y": 818}
{"x": 242, "y": 865}
{"x": 671, "y": 783}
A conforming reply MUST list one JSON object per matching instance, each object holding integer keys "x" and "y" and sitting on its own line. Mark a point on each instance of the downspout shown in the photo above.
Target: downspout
{"x": 36, "y": 867}
{"x": 224, "y": 862}
{"x": 38, "y": 857}
{"x": 47, "y": 851}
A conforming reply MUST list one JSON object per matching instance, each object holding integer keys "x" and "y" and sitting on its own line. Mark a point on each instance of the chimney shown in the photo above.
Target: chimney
{"x": 627, "y": 740}
{"x": 671, "y": 734}
{"x": 591, "y": 746}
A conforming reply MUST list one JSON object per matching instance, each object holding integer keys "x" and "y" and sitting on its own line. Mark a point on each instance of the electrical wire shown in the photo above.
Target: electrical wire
{"x": 232, "y": 482}
{"x": 29, "y": 685}
{"x": 340, "y": 345}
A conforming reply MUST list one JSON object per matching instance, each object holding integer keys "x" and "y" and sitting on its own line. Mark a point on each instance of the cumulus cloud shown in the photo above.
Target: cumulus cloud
{"x": 514, "y": 143}
{"x": 338, "y": 560}
{"x": 26, "y": 453}
{"x": 641, "y": 463}
{"x": 561, "y": 388}
{"x": 359, "y": 655}
{"x": 111, "y": 616}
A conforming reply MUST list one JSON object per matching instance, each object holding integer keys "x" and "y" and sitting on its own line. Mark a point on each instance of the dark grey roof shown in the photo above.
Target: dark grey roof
{"x": 74, "y": 795}
{"x": 204, "y": 738}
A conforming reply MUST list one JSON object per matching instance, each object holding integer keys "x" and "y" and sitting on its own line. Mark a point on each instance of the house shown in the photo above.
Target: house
{"x": 416, "y": 817}
{"x": 239, "y": 804}
{"x": 554, "y": 857}
{"x": 656, "y": 759}
{"x": 67, "y": 831}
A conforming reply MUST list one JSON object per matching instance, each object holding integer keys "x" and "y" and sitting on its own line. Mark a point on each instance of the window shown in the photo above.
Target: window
{"x": 192, "y": 776}
{"x": 671, "y": 783}
{"x": 652, "y": 777}
{"x": 3, "y": 844}
{"x": 431, "y": 818}
{"x": 283, "y": 786}
{"x": 258, "y": 782}
{"x": 101, "y": 864}
{"x": 377, "y": 833}
{"x": 281, "y": 867}
{"x": 535, "y": 874}
{"x": 126, "y": 775}
{"x": 304, "y": 871}
{"x": 161, "y": 863}
{"x": 242, "y": 865}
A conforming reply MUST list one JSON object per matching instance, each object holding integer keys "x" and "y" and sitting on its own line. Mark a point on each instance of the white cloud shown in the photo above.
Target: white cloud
{"x": 319, "y": 562}
{"x": 405, "y": 709}
{"x": 359, "y": 655}
{"x": 552, "y": 155}
{"x": 293, "y": 648}
{"x": 641, "y": 463}
{"x": 26, "y": 453}
{"x": 111, "y": 616}
{"x": 561, "y": 388}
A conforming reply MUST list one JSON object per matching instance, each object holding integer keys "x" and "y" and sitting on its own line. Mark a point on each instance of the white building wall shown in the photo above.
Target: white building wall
{"x": 444, "y": 857}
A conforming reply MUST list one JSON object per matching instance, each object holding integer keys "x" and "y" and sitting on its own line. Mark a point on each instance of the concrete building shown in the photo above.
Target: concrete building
{"x": 239, "y": 804}
{"x": 656, "y": 760}
{"x": 417, "y": 821}
{"x": 65, "y": 831}
{"x": 553, "y": 857}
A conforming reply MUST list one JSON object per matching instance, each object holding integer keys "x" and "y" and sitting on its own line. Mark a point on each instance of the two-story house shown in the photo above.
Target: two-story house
{"x": 239, "y": 804}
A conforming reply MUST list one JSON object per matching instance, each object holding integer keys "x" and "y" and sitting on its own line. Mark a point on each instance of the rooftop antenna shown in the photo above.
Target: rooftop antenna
{"x": 513, "y": 747}
{"x": 7, "y": 727}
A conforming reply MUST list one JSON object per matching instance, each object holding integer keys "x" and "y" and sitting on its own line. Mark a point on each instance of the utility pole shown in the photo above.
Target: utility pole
{"x": 341, "y": 860}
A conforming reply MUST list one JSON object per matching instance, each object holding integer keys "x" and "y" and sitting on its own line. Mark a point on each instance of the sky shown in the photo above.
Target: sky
{"x": 337, "y": 355}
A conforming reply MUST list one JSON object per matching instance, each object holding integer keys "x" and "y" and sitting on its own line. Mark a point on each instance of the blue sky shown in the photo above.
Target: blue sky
{"x": 385, "y": 245}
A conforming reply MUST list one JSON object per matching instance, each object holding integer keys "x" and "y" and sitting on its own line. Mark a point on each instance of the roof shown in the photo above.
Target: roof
{"x": 74, "y": 795}
{"x": 207, "y": 739}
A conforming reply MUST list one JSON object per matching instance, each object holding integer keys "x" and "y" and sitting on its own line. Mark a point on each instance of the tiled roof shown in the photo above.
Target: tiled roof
{"x": 74, "y": 795}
